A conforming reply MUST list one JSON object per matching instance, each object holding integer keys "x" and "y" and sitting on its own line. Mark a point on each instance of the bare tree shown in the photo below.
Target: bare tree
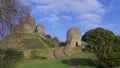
{"x": 10, "y": 12}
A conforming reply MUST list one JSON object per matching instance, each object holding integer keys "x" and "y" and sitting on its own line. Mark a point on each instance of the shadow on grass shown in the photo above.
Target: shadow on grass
{"x": 39, "y": 57}
{"x": 80, "y": 62}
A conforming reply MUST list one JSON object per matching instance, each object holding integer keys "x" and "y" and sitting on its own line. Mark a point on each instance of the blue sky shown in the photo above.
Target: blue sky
{"x": 60, "y": 15}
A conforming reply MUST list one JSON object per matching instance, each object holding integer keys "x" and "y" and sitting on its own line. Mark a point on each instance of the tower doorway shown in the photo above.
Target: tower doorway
{"x": 76, "y": 44}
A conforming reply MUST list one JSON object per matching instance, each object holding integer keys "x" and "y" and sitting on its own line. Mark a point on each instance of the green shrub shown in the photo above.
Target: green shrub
{"x": 9, "y": 58}
{"x": 115, "y": 58}
{"x": 48, "y": 36}
{"x": 111, "y": 60}
{"x": 49, "y": 42}
{"x": 116, "y": 48}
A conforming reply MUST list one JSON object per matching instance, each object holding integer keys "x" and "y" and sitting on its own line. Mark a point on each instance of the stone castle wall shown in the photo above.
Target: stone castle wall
{"x": 27, "y": 25}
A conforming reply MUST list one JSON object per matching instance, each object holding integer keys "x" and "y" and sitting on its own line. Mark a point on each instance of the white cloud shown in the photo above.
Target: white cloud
{"x": 87, "y": 24}
{"x": 53, "y": 19}
{"x": 90, "y": 11}
{"x": 94, "y": 18}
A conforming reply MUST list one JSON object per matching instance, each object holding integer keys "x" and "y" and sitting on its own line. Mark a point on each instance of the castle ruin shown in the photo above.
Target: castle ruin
{"x": 27, "y": 25}
{"x": 73, "y": 38}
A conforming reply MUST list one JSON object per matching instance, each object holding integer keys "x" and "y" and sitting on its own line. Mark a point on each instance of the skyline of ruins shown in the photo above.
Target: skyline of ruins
{"x": 59, "y": 16}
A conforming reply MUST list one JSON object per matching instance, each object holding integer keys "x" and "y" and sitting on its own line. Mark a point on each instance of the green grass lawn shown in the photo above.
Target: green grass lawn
{"x": 84, "y": 60}
{"x": 80, "y": 59}
{"x": 45, "y": 64}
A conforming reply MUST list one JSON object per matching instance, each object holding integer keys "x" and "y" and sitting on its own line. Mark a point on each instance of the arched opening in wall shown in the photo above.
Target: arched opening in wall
{"x": 76, "y": 44}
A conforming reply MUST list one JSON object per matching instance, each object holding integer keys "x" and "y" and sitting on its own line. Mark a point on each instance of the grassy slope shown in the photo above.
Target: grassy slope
{"x": 81, "y": 60}
{"x": 32, "y": 42}
{"x": 40, "y": 53}
{"x": 23, "y": 41}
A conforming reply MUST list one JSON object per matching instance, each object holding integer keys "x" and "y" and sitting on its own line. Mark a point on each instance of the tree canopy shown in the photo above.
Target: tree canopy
{"x": 100, "y": 43}
{"x": 10, "y": 12}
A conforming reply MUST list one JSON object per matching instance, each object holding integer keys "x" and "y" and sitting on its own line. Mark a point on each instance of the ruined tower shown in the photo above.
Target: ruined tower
{"x": 25, "y": 25}
{"x": 40, "y": 30}
{"x": 73, "y": 38}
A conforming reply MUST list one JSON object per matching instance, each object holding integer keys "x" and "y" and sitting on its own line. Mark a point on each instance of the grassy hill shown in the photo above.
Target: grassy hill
{"x": 24, "y": 41}
{"x": 35, "y": 50}
{"x": 40, "y": 53}
{"x": 80, "y": 59}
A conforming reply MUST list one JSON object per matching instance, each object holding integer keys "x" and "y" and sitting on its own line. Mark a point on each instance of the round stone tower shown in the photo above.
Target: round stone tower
{"x": 26, "y": 25}
{"x": 40, "y": 30}
{"x": 73, "y": 38}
